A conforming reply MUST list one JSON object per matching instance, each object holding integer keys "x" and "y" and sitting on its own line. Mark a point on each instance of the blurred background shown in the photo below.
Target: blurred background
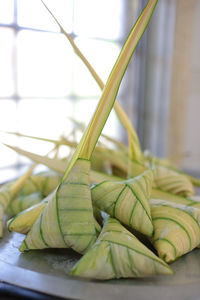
{"x": 43, "y": 83}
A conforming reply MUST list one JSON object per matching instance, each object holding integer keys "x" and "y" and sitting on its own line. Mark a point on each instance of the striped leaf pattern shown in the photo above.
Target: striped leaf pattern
{"x": 118, "y": 254}
{"x": 158, "y": 194}
{"x": 176, "y": 228}
{"x": 67, "y": 220}
{"x": 5, "y": 197}
{"x": 172, "y": 181}
{"x": 9, "y": 191}
{"x": 23, "y": 202}
{"x": 24, "y": 220}
{"x": 44, "y": 182}
{"x": 127, "y": 201}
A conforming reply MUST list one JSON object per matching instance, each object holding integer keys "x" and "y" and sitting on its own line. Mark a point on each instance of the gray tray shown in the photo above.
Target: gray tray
{"x": 47, "y": 272}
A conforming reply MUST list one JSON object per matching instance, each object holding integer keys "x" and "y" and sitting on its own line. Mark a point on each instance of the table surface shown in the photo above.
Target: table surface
{"x": 46, "y": 271}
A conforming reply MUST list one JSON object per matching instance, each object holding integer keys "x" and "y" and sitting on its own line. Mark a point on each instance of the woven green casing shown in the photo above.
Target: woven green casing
{"x": 176, "y": 229}
{"x": 118, "y": 253}
{"x": 127, "y": 201}
{"x": 67, "y": 220}
{"x": 23, "y": 202}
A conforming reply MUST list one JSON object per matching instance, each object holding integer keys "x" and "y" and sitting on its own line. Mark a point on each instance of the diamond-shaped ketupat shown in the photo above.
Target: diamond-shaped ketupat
{"x": 119, "y": 254}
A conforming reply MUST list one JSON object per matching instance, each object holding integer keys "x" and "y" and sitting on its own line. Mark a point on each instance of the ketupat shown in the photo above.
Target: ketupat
{"x": 118, "y": 254}
{"x": 169, "y": 180}
{"x": 9, "y": 191}
{"x": 127, "y": 201}
{"x": 52, "y": 228}
{"x": 23, "y": 202}
{"x": 159, "y": 194}
{"x": 176, "y": 228}
{"x": 67, "y": 220}
{"x": 45, "y": 182}
{"x": 24, "y": 220}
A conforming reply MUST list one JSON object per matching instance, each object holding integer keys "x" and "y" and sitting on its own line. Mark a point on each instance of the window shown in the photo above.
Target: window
{"x": 42, "y": 80}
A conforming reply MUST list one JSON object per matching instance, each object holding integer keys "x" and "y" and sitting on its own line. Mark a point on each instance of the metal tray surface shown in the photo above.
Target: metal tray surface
{"x": 47, "y": 271}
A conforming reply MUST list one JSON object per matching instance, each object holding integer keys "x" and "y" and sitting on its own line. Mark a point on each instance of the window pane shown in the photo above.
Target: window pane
{"x": 8, "y": 115}
{"x": 8, "y": 174}
{"x": 44, "y": 64}
{"x": 98, "y": 18}
{"x": 102, "y": 56}
{"x": 6, "y": 60}
{"x": 6, "y": 11}
{"x": 45, "y": 118}
{"x": 8, "y": 122}
{"x": 32, "y": 13}
{"x": 84, "y": 109}
{"x": 111, "y": 128}
{"x": 8, "y": 157}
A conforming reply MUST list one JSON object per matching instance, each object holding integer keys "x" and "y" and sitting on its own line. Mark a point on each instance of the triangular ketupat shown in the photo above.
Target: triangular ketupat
{"x": 176, "y": 228}
{"x": 67, "y": 220}
{"x": 45, "y": 182}
{"x": 118, "y": 254}
{"x": 127, "y": 201}
{"x": 24, "y": 220}
{"x": 9, "y": 191}
{"x": 171, "y": 181}
{"x": 23, "y": 202}
{"x": 159, "y": 194}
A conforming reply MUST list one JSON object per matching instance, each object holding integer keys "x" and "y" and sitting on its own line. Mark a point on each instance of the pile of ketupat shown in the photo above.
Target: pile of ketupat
{"x": 137, "y": 193}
